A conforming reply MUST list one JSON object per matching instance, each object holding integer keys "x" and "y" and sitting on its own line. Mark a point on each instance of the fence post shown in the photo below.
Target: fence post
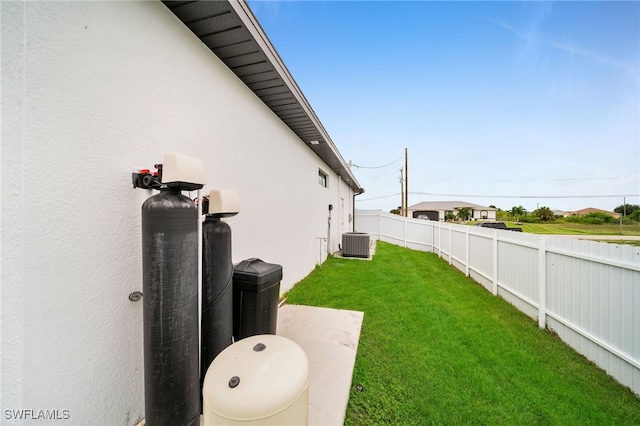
{"x": 440, "y": 240}
{"x": 467, "y": 250}
{"x": 450, "y": 248}
{"x": 495, "y": 263}
{"x": 405, "y": 231}
{"x": 380, "y": 225}
{"x": 433, "y": 237}
{"x": 542, "y": 284}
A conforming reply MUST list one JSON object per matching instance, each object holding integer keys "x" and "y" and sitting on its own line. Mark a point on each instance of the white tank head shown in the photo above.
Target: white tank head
{"x": 223, "y": 203}
{"x": 183, "y": 172}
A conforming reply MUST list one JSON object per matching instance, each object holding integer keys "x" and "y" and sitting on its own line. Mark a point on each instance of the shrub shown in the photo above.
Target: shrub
{"x": 503, "y": 215}
{"x": 544, "y": 213}
{"x": 633, "y": 217}
{"x": 595, "y": 218}
{"x": 529, "y": 218}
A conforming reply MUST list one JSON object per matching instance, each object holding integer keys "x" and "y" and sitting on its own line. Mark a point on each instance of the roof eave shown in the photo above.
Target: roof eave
{"x": 216, "y": 24}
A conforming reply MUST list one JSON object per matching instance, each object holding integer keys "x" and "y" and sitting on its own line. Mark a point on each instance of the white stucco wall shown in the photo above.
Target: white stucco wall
{"x": 484, "y": 214}
{"x": 91, "y": 91}
{"x": 476, "y": 214}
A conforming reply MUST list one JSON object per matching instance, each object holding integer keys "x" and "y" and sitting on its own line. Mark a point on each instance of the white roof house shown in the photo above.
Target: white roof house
{"x": 437, "y": 210}
{"x": 92, "y": 91}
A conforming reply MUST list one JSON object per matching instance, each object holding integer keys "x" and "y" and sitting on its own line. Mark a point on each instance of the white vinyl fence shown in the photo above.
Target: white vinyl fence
{"x": 585, "y": 291}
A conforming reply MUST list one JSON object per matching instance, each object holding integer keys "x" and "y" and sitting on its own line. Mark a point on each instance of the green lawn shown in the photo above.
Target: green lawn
{"x": 627, "y": 242}
{"x": 436, "y": 348}
{"x": 567, "y": 228}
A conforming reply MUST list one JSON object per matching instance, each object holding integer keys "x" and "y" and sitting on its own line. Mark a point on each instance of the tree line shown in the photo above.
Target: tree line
{"x": 628, "y": 212}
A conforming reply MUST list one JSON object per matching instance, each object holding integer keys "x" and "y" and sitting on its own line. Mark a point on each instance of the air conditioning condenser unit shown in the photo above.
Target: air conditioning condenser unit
{"x": 355, "y": 244}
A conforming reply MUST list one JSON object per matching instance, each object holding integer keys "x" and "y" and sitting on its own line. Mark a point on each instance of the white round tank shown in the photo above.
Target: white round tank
{"x": 259, "y": 380}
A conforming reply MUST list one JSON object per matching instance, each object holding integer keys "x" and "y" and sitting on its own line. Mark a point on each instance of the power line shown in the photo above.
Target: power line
{"x": 526, "y": 196}
{"x": 378, "y": 198}
{"x": 375, "y": 167}
{"x": 563, "y": 179}
{"x": 501, "y": 196}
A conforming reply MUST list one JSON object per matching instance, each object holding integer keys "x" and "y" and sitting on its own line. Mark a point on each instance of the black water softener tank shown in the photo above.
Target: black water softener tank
{"x": 170, "y": 313}
{"x": 217, "y": 295}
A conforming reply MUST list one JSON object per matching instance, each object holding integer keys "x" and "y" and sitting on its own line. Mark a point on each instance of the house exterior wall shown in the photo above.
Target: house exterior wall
{"x": 476, "y": 214}
{"x": 90, "y": 92}
{"x": 484, "y": 214}
{"x": 341, "y": 217}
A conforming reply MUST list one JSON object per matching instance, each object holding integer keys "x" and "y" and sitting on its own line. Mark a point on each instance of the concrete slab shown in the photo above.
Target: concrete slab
{"x": 330, "y": 338}
{"x": 372, "y": 251}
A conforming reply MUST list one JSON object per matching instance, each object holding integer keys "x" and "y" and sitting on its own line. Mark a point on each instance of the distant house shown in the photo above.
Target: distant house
{"x": 437, "y": 210}
{"x": 590, "y": 210}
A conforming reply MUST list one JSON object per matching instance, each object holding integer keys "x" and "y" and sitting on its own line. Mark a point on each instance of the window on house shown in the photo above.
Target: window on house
{"x": 322, "y": 178}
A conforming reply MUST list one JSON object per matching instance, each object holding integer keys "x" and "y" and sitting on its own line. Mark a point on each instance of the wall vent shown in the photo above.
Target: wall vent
{"x": 355, "y": 244}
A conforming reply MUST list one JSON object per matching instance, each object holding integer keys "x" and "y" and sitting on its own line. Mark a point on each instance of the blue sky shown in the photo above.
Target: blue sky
{"x": 498, "y": 103}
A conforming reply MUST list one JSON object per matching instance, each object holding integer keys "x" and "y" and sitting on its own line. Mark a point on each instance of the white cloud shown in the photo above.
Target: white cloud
{"x": 534, "y": 40}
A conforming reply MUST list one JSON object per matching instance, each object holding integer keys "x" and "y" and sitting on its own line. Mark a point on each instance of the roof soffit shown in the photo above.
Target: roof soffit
{"x": 231, "y": 31}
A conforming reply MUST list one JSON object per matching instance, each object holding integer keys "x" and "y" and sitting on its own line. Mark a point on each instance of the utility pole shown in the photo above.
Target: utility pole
{"x": 624, "y": 212}
{"x": 406, "y": 183}
{"x": 401, "y": 193}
